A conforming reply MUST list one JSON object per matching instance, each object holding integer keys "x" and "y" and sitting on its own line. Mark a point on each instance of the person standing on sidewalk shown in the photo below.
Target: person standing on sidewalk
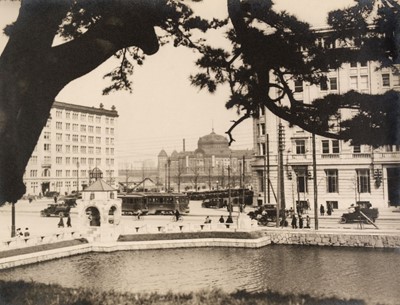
{"x": 69, "y": 221}
{"x": 307, "y": 222}
{"x": 322, "y": 210}
{"x": 61, "y": 222}
{"x": 300, "y": 221}
{"x": 294, "y": 221}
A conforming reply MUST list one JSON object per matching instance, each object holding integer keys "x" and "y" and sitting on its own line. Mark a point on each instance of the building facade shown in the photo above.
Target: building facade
{"x": 345, "y": 174}
{"x": 75, "y": 140}
{"x": 212, "y": 165}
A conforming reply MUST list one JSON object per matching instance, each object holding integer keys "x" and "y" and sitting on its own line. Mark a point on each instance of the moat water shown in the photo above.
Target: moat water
{"x": 371, "y": 275}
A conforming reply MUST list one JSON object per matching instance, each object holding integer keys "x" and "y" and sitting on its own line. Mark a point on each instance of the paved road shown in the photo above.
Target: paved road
{"x": 28, "y": 215}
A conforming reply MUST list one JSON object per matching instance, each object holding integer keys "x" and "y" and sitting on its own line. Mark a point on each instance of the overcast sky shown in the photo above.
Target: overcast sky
{"x": 163, "y": 108}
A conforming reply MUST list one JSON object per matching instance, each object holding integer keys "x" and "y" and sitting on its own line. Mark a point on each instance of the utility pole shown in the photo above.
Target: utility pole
{"x": 77, "y": 177}
{"x": 314, "y": 159}
{"x": 265, "y": 182}
{"x": 169, "y": 175}
{"x": 166, "y": 177}
{"x": 243, "y": 173}
{"x": 268, "y": 184}
{"x": 281, "y": 194}
{"x": 229, "y": 191}
{"x": 13, "y": 219}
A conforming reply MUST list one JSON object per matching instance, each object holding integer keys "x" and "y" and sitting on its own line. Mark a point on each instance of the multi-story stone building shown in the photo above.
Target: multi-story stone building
{"x": 345, "y": 174}
{"x": 212, "y": 165}
{"x": 75, "y": 140}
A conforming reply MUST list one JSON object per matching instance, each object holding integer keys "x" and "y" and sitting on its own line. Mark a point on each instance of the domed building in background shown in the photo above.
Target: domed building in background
{"x": 212, "y": 165}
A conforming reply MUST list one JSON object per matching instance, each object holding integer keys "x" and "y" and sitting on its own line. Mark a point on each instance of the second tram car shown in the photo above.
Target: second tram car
{"x": 154, "y": 203}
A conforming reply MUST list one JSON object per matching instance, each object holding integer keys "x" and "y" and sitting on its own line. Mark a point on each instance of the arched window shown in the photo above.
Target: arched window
{"x": 91, "y": 196}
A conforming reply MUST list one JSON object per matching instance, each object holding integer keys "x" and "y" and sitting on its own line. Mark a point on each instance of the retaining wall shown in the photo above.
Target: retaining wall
{"x": 268, "y": 237}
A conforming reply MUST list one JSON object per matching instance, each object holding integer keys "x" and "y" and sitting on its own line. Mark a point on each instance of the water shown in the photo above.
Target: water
{"x": 368, "y": 274}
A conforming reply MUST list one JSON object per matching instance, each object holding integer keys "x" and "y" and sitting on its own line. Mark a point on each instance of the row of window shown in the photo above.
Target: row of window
{"x": 73, "y": 160}
{"x": 83, "y": 128}
{"x": 90, "y": 118}
{"x": 328, "y": 147}
{"x": 357, "y": 83}
{"x": 65, "y": 173}
{"x": 332, "y": 181}
{"x": 78, "y": 149}
{"x": 76, "y": 138}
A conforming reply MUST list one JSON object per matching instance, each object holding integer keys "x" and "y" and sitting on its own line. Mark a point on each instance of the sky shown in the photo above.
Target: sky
{"x": 164, "y": 108}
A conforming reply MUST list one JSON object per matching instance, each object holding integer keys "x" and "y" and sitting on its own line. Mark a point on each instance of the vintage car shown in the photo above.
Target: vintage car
{"x": 70, "y": 199}
{"x": 360, "y": 212}
{"x": 56, "y": 209}
{"x": 266, "y": 215}
{"x": 215, "y": 203}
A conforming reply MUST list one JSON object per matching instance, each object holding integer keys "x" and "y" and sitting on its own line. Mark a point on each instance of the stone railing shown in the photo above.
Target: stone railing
{"x": 23, "y": 242}
{"x": 181, "y": 227}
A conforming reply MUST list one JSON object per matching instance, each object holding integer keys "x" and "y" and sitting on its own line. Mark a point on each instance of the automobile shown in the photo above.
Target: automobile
{"x": 266, "y": 215}
{"x": 70, "y": 199}
{"x": 56, "y": 209}
{"x": 215, "y": 203}
{"x": 358, "y": 211}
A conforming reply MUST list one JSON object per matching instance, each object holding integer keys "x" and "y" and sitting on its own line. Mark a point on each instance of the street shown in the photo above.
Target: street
{"x": 28, "y": 215}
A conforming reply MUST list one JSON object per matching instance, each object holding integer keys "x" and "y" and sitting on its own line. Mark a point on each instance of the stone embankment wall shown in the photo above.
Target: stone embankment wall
{"x": 256, "y": 239}
{"x": 374, "y": 240}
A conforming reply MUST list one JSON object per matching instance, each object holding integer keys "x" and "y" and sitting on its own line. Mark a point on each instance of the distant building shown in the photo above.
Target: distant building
{"x": 75, "y": 140}
{"x": 212, "y": 165}
{"x": 345, "y": 174}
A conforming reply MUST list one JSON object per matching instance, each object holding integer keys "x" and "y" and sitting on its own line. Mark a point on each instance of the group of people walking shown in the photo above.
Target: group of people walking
{"x": 301, "y": 222}
{"x": 19, "y": 233}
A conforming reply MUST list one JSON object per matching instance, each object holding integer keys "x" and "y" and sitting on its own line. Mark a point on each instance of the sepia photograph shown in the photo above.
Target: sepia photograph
{"x": 191, "y": 152}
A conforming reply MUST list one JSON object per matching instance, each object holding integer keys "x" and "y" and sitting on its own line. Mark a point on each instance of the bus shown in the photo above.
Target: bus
{"x": 154, "y": 203}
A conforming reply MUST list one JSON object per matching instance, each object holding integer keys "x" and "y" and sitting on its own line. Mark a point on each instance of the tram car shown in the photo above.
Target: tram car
{"x": 154, "y": 203}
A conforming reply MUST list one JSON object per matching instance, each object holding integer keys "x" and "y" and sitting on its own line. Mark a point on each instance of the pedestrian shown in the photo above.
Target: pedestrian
{"x": 322, "y": 210}
{"x": 329, "y": 210}
{"x": 221, "y": 219}
{"x": 207, "y": 220}
{"x": 300, "y": 222}
{"x": 177, "y": 215}
{"x": 229, "y": 219}
{"x": 291, "y": 211}
{"x": 55, "y": 199}
{"x": 26, "y": 233}
{"x": 294, "y": 222}
{"x": 69, "y": 221}
{"x": 298, "y": 208}
{"x": 308, "y": 222}
{"x": 19, "y": 233}
{"x": 61, "y": 222}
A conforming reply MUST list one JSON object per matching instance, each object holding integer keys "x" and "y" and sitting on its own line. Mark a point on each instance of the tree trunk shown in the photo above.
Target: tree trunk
{"x": 33, "y": 72}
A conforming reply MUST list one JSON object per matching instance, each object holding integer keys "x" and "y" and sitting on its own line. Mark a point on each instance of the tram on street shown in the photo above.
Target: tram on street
{"x": 154, "y": 203}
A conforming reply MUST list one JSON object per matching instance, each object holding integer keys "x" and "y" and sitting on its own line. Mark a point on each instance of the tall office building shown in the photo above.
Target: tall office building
{"x": 75, "y": 140}
{"x": 345, "y": 174}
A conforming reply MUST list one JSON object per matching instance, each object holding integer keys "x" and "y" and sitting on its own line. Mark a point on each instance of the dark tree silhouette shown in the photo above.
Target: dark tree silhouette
{"x": 273, "y": 49}
{"x": 33, "y": 70}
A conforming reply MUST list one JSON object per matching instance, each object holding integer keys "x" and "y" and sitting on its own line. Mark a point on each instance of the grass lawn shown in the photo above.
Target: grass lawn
{"x": 22, "y": 293}
{"x": 45, "y": 247}
{"x": 191, "y": 235}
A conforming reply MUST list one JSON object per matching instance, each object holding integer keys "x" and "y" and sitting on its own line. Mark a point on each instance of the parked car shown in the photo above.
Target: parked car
{"x": 56, "y": 209}
{"x": 266, "y": 215}
{"x": 357, "y": 211}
